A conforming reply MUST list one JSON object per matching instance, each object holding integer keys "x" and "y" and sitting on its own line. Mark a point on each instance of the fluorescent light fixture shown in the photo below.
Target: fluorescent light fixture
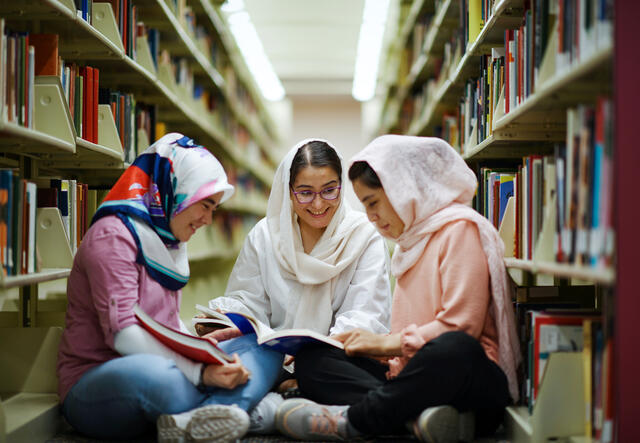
{"x": 374, "y": 19}
{"x": 252, "y": 50}
{"x": 231, "y": 6}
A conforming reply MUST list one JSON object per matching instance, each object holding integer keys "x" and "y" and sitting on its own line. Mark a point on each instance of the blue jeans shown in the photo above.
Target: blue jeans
{"x": 122, "y": 398}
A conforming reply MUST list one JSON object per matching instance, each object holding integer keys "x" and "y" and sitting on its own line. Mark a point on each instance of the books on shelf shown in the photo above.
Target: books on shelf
{"x": 287, "y": 341}
{"x": 196, "y": 348}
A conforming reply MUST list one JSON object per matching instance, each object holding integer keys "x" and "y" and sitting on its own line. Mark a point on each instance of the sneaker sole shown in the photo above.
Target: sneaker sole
{"x": 168, "y": 430}
{"x": 440, "y": 426}
{"x": 218, "y": 423}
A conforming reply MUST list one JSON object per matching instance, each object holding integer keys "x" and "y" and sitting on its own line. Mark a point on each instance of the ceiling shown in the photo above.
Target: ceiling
{"x": 311, "y": 44}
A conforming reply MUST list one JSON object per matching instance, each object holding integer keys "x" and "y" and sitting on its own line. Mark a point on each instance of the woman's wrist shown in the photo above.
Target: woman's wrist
{"x": 392, "y": 345}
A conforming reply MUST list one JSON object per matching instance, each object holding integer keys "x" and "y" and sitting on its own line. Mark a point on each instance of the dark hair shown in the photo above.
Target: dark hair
{"x": 363, "y": 172}
{"x": 316, "y": 154}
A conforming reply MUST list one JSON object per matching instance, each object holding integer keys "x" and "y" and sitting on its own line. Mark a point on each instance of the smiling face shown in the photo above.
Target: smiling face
{"x": 187, "y": 222}
{"x": 379, "y": 210}
{"x": 318, "y": 213}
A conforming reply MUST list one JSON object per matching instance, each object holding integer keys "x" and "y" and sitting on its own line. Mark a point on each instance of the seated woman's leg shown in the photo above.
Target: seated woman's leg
{"x": 327, "y": 375}
{"x": 122, "y": 398}
{"x": 452, "y": 369}
{"x": 264, "y": 365}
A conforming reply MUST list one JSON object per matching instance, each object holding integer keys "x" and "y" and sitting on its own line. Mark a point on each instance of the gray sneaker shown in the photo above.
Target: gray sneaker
{"x": 213, "y": 423}
{"x": 262, "y": 419}
{"x": 444, "y": 424}
{"x": 305, "y": 420}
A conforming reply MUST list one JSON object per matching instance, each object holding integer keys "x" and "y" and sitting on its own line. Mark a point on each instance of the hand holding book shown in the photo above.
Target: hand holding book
{"x": 227, "y": 376}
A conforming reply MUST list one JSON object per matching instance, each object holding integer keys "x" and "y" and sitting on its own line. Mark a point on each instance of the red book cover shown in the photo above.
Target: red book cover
{"x": 195, "y": 348}
{"x": 87, "y": 110}
{"x": 496, "y": 204}
{"x": 508, "y": 35}
{"x": 94, "y": 119}
{"x": 46, "y": 46}
{"x": 125, "y": 24}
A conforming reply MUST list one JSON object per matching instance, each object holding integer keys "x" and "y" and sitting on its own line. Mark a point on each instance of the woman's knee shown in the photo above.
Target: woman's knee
{"x": 453, "y": 347}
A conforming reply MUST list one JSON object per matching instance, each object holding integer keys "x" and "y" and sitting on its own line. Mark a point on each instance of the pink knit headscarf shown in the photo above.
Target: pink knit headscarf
{"x": 429, "y": 185}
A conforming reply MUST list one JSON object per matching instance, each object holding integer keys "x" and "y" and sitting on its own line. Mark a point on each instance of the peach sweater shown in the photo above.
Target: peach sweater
{"x": 447, "y": 289}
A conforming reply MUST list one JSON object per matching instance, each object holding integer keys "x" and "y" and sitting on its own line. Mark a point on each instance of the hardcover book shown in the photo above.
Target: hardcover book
{"x": 287, "y": 341}
{"x": 196, "y": 348}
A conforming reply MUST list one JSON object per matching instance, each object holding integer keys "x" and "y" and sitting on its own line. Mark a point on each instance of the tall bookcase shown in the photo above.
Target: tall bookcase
{"x": 442, "y": 47}
{"x": 217, "y": 104}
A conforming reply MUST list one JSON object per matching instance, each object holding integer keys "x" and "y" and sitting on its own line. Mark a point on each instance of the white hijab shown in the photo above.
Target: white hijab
{"x": 343, "y": 241}
{"x": 429, "y": 185}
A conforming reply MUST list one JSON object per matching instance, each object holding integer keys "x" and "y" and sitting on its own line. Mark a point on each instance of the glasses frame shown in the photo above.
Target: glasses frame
{"x": 339, "y": 187}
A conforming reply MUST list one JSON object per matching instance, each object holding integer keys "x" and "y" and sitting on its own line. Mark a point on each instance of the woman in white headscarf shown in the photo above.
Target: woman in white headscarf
{"x": 453, "y": 347}
{"x": 313, "y": 262}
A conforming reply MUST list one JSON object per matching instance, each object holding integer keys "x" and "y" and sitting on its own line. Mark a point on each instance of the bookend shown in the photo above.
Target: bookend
{"x": 51, "y": 239}
{"x": 143, "y": 55}
{"x": 143, "y": 141}
{"x": 104, "y": 21}
{"x": 51, "y": 113}
{"x": 561, "y": 389}
{"x": 107, "y": 131}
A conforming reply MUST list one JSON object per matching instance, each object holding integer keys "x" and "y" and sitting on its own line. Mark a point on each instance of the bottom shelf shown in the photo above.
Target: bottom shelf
{"x": 29, "y": 409}
{"x": 559, "y": 411}
{"x": 31, "y": 417}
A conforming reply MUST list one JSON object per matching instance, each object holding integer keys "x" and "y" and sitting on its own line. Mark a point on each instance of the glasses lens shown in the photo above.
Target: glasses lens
{"x": 330, "y": 193}
{"x": 305, "y": 196}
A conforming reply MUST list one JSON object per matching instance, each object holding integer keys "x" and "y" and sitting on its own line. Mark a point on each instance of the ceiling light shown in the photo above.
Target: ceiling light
{"x": 252, "y": 50}
{"x": 374, "y": 19}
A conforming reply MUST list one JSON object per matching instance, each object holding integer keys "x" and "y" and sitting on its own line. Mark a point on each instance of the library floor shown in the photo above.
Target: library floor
{"x": 71, "y": 436}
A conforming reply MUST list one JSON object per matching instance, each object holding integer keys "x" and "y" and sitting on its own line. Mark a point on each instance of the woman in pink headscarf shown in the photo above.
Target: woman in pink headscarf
{"x": 452, "y": 353}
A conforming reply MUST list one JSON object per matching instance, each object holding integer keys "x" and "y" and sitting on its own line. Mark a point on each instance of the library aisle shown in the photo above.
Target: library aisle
{"x": 539, "y": 97}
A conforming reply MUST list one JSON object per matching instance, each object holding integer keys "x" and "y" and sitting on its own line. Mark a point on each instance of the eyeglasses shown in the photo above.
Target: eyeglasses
{"x": 306, "y": 197}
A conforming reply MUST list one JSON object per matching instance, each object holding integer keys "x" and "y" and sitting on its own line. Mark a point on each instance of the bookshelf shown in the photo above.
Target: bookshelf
{"x": 235, "y": 126}
{"x": 432, "y": 65}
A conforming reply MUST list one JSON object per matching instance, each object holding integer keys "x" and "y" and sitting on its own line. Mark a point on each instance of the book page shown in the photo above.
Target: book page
{"x": 212, "y": 318}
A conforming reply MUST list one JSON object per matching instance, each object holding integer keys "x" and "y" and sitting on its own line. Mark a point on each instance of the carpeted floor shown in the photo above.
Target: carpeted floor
{"x": 72, "y": 437}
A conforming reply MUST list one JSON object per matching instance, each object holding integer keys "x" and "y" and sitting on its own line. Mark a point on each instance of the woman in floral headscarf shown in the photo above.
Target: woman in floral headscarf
{"x": 453, "y": 346}
{"x": 116, "y": 380}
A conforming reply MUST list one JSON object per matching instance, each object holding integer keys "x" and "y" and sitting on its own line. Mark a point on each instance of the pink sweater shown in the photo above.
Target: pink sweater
{"x": 446, "y": 290}
{"x": 104, "y": 285}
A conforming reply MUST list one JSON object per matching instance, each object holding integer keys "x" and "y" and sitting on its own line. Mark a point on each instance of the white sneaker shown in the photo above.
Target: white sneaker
{"x": 213, "y": 423}
{"x": 444, "y": 424}
{"x": 262, "y": 419}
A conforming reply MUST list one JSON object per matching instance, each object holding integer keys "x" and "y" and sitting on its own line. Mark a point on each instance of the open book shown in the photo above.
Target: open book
{"x": 287, "y": 341}
{"x": 196, "y": 348}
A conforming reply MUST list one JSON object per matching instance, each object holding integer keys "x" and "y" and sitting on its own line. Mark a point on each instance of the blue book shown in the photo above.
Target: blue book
{"x": 287, "y": 341}
{"x": 506, "y": 191}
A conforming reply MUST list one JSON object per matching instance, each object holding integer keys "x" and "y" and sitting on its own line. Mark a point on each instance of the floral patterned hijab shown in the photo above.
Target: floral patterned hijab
{"x": 168, "y": 177}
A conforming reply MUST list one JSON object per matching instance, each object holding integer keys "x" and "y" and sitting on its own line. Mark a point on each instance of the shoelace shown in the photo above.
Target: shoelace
{"x": 325, "y": 424}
